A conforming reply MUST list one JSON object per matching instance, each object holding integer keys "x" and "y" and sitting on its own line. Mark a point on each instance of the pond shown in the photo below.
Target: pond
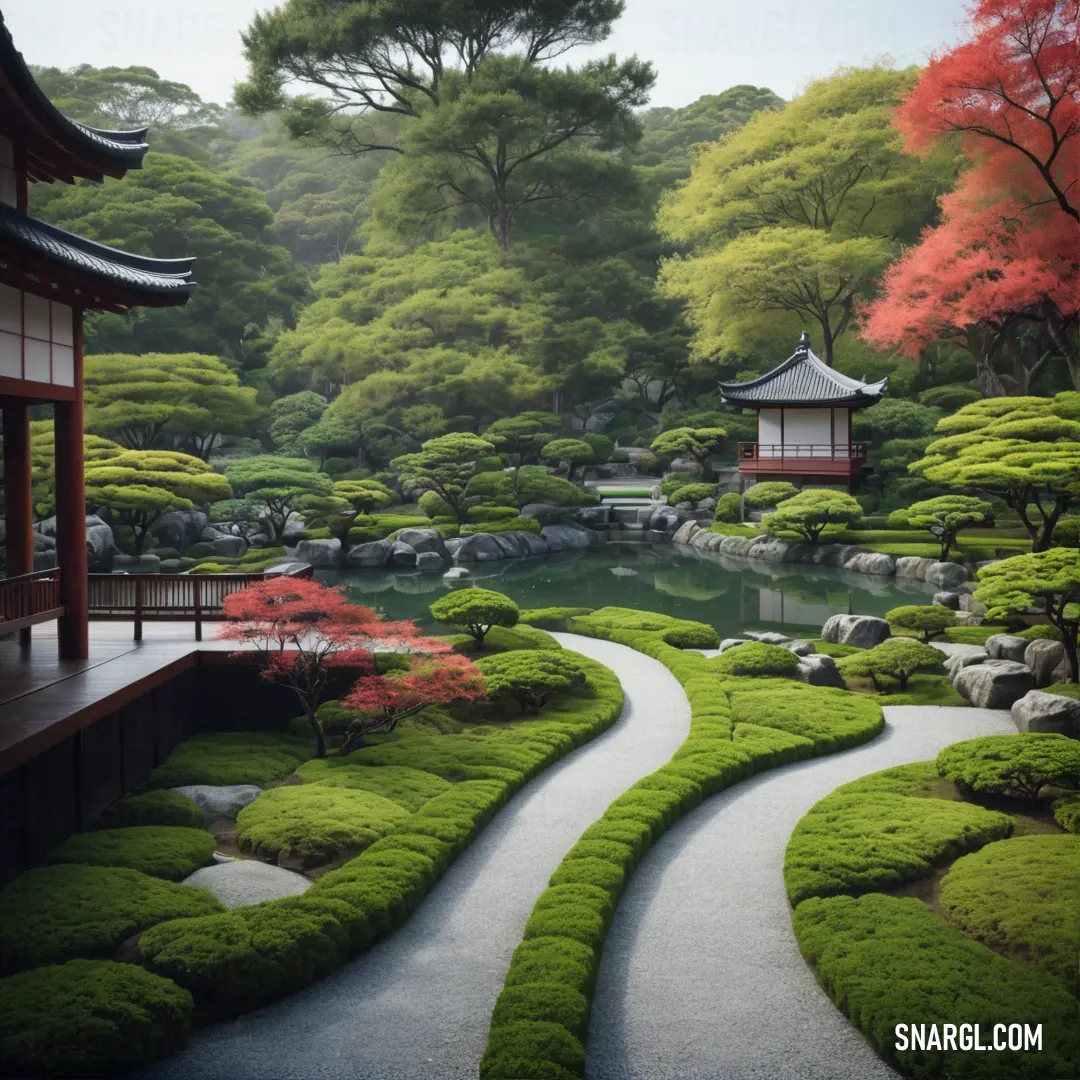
{"x": 727, "y": 593}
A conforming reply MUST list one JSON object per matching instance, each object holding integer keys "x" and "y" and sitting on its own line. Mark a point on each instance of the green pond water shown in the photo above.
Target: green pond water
{"x": 728, "y": 594}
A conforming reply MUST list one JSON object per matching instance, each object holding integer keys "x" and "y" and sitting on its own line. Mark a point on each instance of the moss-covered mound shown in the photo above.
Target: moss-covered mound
{"x": 233, "y": 757}
{"x": 1067, "y": 812}
{"x": 1022, "y": 897}
{"x": 754, "y": 658}
{"x": 551, "y": 618}
{"x": 503, "y": 639}
{"x": 311, "y": 824}
{"x": 88, "y": 1018}
{"x": 163, "y": 807}
{"x": 164, "y": 851}
{"x": 409, "y": 788}
{"x": 59, "y": 913}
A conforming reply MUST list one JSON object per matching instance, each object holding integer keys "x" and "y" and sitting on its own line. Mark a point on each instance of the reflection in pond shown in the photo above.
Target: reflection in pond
{"x": 727, "y": 593}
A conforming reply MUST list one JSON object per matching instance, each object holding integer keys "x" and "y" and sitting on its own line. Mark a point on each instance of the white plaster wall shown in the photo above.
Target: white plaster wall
{"x": 768, "y": 431}
{"x": 809, "y": 427}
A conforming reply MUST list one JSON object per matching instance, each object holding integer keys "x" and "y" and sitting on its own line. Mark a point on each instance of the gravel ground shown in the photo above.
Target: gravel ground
{"x": 417, "y": 1006}
{"x": 701, "y": 978}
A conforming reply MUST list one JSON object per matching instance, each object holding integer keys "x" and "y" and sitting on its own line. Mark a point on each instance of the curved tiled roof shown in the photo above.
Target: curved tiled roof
{"x": 159, "y": 282}
{"x": 803, "y": 379}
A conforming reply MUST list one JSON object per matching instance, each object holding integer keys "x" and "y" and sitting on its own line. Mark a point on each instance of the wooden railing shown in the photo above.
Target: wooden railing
{"x": 28, "y": 599}
{"x": 840, "y": 452}
{"x": 180, "y": 597}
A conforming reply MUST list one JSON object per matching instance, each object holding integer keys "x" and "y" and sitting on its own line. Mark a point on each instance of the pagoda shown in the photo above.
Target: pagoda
{"x": 48, "y": 279}
{"x": 804, "y": 412}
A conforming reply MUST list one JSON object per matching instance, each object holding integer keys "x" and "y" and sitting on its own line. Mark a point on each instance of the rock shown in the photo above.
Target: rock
{"x": 1046, "y": 659}
{"x": 801, "y": 648}
{"x": 862, "y": 631}
{"x": 209, "y": 535}
{"x": 429, "y": 541}
{"x": 1006, "y": 647}
{"x": 403, "y": 554}
{"x": 241, "y": 882}
{"x": 767, "y": 637}
{"x": 290, "y": 535}
{"x": 686, "y": 532}
{"x": 593, "y": 516}
{"x": 137, "y": 564}
{"x": 283, "y": 568}
{"x": 543, "y": 512}
{"x": 566, "y": 537}
{"x": 366, "y": 556}
{"x": 478, "y": 548}
{"x": 220, "y": 802}
{"x": 730, "y": 643}
{"x": 322, "y": 554}
{"x": 170, "y": 566}
{"x": 667, "y": 519}
{"x": 43, "y": 542}
{"x": 969, "y": 604}
{"x": 945, "y": 575}
{"x": 706, "y": 504}
{"x": 994, "y": 684}
{"x": 958, "y": 661}
{"x": 179, "y": 528}
{"x": 232, "y": 547}
{"x": 819, "y": 671}
{"x": 1037, "y": 711}
{"x": 428, "y": 561}
{"x": 686, "y": 507}
{"x": 871, "y": 562}
{"x": 911, "y": 566}
{"x": 455, "y": 573}
{"x": 657, "y": 536}
{"x": 948, "y": 600}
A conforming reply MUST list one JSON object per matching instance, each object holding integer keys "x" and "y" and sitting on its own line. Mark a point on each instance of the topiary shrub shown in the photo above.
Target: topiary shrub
{"x": 1018, "y": 766}
{"x": 164, "y": 851}
{"x": 475, "y": 611}
{"x": 162, "y": 807}
{"x": 951, "y": 397}
{"x": 1067, "y": 812}
{"x": 502, "y": 639}
{"x": 1042, "y": 632}
{"x": 928, "y": 620}
{"x": 755, "y": 658}
{"x": 1067, "y": 533}
{"x": 531, "y": 677}
{"x": 510, "y": 524}
{"x": 409, "y": 788}
{"x": 310, "y": 824}
{"x": 490, "y": 513}
{"x": 69, "y": 911}
{"x": 691, "y": 635}
{"x": 895, "y": 658}
{"x": 728, "y": 509}
{"x": 810, "y": 512}
{"x": 232, "y": 757}
{"x": 691, "y": 493}
{"x": 766, "y": 495}
{"x": 552, "y": 618}
{"x": 89, "y": 1018}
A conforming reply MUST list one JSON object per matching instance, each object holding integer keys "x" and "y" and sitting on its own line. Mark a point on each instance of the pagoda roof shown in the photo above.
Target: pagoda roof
{"x": 803, "y": 379}
{"x": 57, "y": 147}
{"x": 101, "y": 277}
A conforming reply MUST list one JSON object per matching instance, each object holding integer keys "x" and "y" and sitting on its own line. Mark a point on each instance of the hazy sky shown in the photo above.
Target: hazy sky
{"x": 698, "y": 46}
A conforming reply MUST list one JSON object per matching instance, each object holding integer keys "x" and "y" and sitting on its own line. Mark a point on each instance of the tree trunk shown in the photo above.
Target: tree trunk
{"x": 1072, "y": 665}
{"x": 982, "y": 344}
{"x": 316, "y": 729}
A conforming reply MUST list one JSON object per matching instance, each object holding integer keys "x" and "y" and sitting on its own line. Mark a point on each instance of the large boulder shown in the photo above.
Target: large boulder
{"x": 566, "y": 537}
{"x": 1047, "y": 662}
{"x": 871, "y": 562}
{"x": 994, "y": 684}
{"x": 948, "y": 600}
{"x": 945, "y": 575}
{"x": 819, "y": 670}
{"x": 455, "y": 573}
{"x": 429, "y": 541}
{"x": 290, "y": 535}
{"x": 43, "y": 541}
{"x": 368, "y": 556}
{"x": 593, "y": 516}
{"x": 99, "y": 542}
{"x": 686, "y": 532}
{"x": 232, "y": 547}
{"x": 478, "y": 548}
{"x": 220, "y": 801}
{"x": 767, "y": 637}
{"x": 322, "y": 554}
{"x": 428, "y": 561}
{"x": 801, "y": 648}
{"x": 667, "y": 519}
{"x": 862, "y": 631}
{"x": 1006, "y": 647}
{"x": 137, "y": 564}
{"x": 545, "y": 512}
{"x": 911, "y": 566}
{"x": 1037, "y": 711}
{"x": 241, "y": 882}
{"x": 402, "y": 554}
{"x": 956, "y": 663}
{"x": 179, "y": 528}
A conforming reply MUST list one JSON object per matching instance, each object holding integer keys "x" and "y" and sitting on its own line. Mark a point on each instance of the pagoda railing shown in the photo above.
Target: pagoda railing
{"x": 752, "y": 451}
{"x": 27, "y": 599}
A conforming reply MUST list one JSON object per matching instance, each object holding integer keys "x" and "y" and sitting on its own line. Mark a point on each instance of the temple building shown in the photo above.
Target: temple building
{"x": 48, "y": 279}
{"x": 804, "y": 412}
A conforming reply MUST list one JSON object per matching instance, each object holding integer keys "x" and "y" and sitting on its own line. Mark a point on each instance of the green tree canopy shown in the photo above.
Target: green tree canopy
{"x": 809, "y": 512}
{"x": 475, "y": 611}
{"x": 1013, "y": 765}
{"x": 138, "y": 486}
{"x": 697, "y": 443}
{"x": 1024, "y": 451}
{"x": 573, "y": 451}
{"x": 929, "y": 620}
{"x": 769, "y": 493}
{"x": 43, "y": 462}
{"x": 531, "y": 677}
{"x": 897, "y": 658}
{"x": 339, "y": 510}
{"x": 522, "y": 437}
{"x": 529, "y": 484}
{"x": 147, "y": 402}
{"x": 290, "y": 415}
{"x": 944, "y": 516}
{"x": 445, "y": 465}
{"x": 275, "y": 486}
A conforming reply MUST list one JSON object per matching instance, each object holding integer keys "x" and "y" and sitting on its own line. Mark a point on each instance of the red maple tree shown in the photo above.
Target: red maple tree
{"x": 303, "y": 630}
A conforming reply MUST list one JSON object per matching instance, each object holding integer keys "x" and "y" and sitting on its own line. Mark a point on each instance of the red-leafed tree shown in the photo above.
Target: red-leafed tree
{"x": 303, "y": 631}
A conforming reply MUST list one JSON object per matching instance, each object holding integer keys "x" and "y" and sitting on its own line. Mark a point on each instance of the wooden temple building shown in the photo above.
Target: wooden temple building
{"x": 48, "y": 279}
{"x": 804, "y": 412}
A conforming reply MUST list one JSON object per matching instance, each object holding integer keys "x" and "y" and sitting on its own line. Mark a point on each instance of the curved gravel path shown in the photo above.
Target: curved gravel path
{"x": 418, "y": 1005}
{"x": 701, "y": 978}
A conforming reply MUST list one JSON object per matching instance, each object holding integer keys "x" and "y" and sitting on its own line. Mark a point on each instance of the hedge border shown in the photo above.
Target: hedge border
{"x": 540, "y": 1021}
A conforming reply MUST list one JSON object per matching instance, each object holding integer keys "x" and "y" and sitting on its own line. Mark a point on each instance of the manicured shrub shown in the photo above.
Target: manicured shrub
{"x": 475, "y": 611}
{"x": 409, "y": 788}
{"x": 888, "y": 960}
{"x": 1015, "y": 765}
{"x": 490, "y": 513}
{"x": 531, "y": 677}
{"x": 769, "y": 493}
{"x": 502, "y": 639}
{"x": 754, "y": 658}
{"x": 926, "y": 620}
{"x": 1022, "y": 898}
{"x": 162, "y": 807}
{"x": 165, "y": 851}
{"x": 809, "y": 512}
{"x": 550, "y": 1003}
{"x": 895, "y": 658}
{"x": 510, "y": 524}
{"x": 523, "y": 1047}
{"x": 89, "y": 1018}
{"x": 552, "y": 618}
{"x": 69, "y": 911}
{"x": 691, "y": 493}
{"x": 692, "y": 635}
{"x": 232, "y": 757}
{"x": 1041, "y": 632}
{"x": 1067, "y": 812}
{"x": 728, "y": 509}
{"x": 828, "y": 718}
{"x": 310, "y": 824}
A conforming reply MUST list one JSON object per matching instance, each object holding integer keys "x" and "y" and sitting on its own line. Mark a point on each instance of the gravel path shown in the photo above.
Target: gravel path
{"x": 418, "y": 1006}
{"x": 701, "y": 978}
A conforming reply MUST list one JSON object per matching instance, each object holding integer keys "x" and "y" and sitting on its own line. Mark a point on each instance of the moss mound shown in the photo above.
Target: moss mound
{"x": 409, "y": 788}
{"x": 162, "y": 807}
{"x": 71, "y": 911}
{"x": 754, "y": 658}
{"x": 89, "y": 1018}
{"x": 233, "y": 757}
{"x": 311, "y": 824}
{"x": 503, "y": 639}
{"x": 164, "y": 851}
{"x": 551, "y": 618}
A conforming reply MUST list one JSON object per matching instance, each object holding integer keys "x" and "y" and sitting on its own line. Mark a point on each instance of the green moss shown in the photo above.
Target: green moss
{"x": 511, "y": 524}
{"x": 162, "y": 807}
{"x": 503, "y": 639}
{"x": 753, "y": 658}
{"x": 837, "y": 652}
{"x": 551, "y": 618}
{"x": 1022, "y": 898}
{"x": 1067, "y": 812}
{"x": 165, "y": 851}
{"x": 89, "y": 1018}
{"x": 310, "y": 824}
{"x": 888, "y": 960}
{"x": 1068, "y": 689}
{"x": 59, "y": 913}
{"x": 409, "y": 788}
{"x": 692, "y": 635}
{"x": 248, "y": 757}
{"x": 926, "y": 690}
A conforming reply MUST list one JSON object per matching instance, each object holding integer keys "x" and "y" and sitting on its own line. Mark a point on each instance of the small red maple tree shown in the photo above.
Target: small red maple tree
{"x": 303, "y": 630}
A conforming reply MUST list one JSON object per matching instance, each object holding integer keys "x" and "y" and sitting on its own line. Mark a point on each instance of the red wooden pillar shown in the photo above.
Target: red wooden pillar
{"x": 73, "y": 630}
{"x": 18, "y": 503}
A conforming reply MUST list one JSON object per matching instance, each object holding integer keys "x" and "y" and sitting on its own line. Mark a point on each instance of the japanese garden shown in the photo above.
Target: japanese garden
{"x": 504, "y": 579}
